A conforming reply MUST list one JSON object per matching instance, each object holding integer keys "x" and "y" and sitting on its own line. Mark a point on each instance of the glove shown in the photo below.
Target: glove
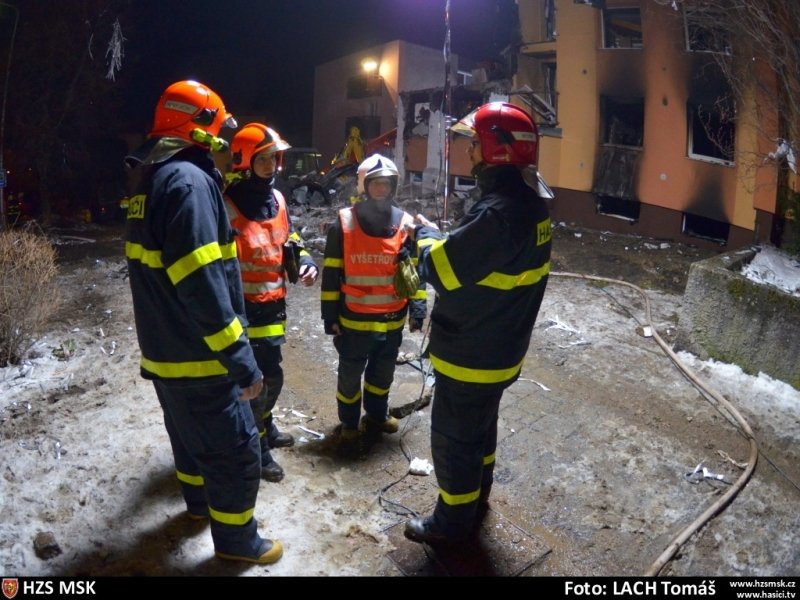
{"x": 406, "y": 278}
{"x": 414, "y": 324}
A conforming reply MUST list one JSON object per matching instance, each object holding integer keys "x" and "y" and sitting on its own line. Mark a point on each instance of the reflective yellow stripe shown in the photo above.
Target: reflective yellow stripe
{"x": 337, "y": 263}
{"x": 224, "y": 338}
{"x": 420, "y": 295}
{"x": 329, "y": 295}
{"x": 474, "y": 375}
{"x": 265, "y": 331}
{"x": 487, "y": 460}
{"x": 456, "y": 499}
{"x": 442, "y": 265}
{"x": 342, "y": 398}
{"x": 190, "y": 479}
{"x": 261, "y": 434}
{"x": 427, "y": 242}
{"x": 372, "y": 325}
{"x": 175, "y": 370}
{"x": 368, "y": 387}
{"x": 502, "y": 281}
{"x": 199, "y": 257}
{"x": 149, "y": 258}
{"x": 242, "y": 518}
{"x": 296, "y": 237}
{"x": 228, "y": 251}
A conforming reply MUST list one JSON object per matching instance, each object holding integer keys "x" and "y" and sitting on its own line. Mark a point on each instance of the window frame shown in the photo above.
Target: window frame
{"x": 604, "y": 27}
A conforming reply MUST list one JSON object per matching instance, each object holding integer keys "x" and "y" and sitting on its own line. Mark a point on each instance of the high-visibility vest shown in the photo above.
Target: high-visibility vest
{"x": 369, "y": 266}
{"x": 259, "y": 246}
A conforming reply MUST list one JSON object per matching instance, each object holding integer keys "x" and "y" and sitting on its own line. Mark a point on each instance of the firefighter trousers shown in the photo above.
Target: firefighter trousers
{"x": 217, "y": 458}
{"x": 373, "y": 357}
{"x": 268, "y": 359}
{"x": 463, "y": 445}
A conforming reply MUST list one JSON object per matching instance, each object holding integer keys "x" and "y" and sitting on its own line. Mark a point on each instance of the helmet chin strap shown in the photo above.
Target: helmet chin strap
{"x": 217, "y": 144}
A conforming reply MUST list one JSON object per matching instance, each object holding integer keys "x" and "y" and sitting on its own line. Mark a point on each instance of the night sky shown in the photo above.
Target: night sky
{"x": 259, "y": 55}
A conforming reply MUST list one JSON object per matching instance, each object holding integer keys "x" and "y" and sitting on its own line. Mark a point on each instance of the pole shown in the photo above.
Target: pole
{"x": 447, "y": 110}
{"x": 3, "y": 220}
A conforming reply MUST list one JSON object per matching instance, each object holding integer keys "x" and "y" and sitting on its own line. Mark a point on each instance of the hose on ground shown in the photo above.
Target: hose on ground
{"x": 708, "y": 392}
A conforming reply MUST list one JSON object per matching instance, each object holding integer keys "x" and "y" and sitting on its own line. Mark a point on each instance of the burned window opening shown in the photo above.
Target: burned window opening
{"x": 616, "y": 173}
{"x": 705, "y": 228}
{"x": 619, "y": 208}
{"x": 703, "y": 32}
{"x": 623, "y": 121}
{"x": 622, "y": 28}
{"x": 712, "y": 132}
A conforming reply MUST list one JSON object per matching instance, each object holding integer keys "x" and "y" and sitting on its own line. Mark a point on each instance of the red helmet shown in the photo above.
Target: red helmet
{"x": 507, "y": 134}
{"x": 252, "y": 139}
{"x": 188, "y": 106}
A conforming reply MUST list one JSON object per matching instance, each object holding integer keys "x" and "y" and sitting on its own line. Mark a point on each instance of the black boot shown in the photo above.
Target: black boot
{"x": 276, "y": 438}
{"x": 270, "y": 470}
{"x": 425, "y": 531}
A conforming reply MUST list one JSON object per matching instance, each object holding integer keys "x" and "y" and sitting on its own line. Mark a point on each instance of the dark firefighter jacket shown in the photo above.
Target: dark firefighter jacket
{"x": 490, "y": 275}
{"x": 334, "y": 310}
{"x": 184, "y": 276}
{"x": 256, "y": 200}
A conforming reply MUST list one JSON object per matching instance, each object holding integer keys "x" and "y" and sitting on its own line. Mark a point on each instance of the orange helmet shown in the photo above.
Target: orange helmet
{"x": 191, "y": 111}
{"x": 507, "y": 133}
{"x": 252, "y": 139}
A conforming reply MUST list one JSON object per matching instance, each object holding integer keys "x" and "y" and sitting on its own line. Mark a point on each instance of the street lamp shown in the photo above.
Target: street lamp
{"x": 3, "y": 223}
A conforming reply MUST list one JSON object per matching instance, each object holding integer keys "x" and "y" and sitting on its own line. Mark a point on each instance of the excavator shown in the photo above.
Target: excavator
{"x": 302, "y": 182}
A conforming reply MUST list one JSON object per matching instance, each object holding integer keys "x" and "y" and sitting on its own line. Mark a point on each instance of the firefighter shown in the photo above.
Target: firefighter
{"x": 360, "y": 304}
{"x": 490, "y": 275}
{"x": 189, "y": 311}
{"x": 269, "y": 251}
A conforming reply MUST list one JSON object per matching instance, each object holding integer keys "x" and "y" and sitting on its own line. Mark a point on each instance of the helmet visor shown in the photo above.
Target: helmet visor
{"x": 465, "y": 125}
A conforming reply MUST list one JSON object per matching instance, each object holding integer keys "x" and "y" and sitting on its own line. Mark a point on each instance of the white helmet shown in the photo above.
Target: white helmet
{"x": 374, "y": 166}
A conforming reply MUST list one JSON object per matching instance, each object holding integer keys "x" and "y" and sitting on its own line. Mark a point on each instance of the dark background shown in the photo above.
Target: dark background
{"x": 259, "y": 55}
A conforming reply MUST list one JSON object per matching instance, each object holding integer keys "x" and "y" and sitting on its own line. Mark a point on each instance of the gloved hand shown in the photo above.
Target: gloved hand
{"x": 414, "y": 324}
{"x": 332, "y": 328}
{"x": 406, "y": 278}
{"x": 308, "y": 274}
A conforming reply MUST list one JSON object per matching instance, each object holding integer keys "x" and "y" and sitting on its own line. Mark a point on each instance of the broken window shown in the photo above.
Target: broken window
{"x": 550, "y": 94}
{"x": 712, "y": 132}
{"x": 615, "y": 172}
{"x": 704, "y": 33}
{"x": 622, "y": 121}
{"x": 622, "y": 28}
{"x": 364, "y": 86}
{"x": 549, "y": 8}
{"x": 705, "y": 228}
{"x": 619, "y": 208}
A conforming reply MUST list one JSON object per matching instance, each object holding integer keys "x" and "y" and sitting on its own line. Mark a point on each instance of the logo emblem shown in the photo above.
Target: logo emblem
{"x": 10, "y": 587}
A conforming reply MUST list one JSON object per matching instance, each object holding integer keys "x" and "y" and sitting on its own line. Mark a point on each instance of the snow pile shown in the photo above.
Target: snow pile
{"x": 773, "y": 267}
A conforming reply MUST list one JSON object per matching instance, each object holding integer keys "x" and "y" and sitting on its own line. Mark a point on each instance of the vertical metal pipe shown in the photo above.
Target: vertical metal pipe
{"x": 447, "y": 109}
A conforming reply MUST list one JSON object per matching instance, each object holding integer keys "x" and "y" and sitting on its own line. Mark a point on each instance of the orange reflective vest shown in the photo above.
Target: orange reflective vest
{"x": 369, "y": 266}
{"x": 259, "y": 246}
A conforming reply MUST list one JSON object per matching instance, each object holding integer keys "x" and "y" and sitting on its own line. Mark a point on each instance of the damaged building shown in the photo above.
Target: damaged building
{"x": 639, "y": 130}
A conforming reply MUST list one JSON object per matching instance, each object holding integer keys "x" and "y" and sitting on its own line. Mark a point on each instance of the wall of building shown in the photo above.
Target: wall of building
{"x": 665, "y": 181}
{"x": 402, "y": 66}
